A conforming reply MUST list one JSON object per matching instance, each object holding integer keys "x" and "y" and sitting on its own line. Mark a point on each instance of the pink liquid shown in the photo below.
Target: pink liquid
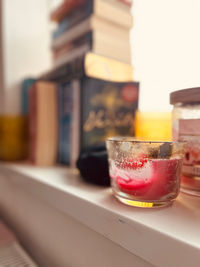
{"x": 156, "y": 179}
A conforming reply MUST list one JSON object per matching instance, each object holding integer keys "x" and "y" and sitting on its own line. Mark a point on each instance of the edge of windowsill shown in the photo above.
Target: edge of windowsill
{"x": 134, "y": 229}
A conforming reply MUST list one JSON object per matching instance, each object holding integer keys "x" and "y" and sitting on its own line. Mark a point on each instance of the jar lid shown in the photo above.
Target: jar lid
{"x": 189, "y": 95}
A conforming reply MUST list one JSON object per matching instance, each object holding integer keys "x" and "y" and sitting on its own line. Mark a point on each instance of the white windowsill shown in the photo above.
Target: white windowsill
{"x": 168, "y": 237}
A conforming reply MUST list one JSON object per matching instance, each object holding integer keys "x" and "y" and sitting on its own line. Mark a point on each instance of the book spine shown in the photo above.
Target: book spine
{"x": 63, "y": 26}
{"x": 76, "y": 17}
{"x": 75, "y": 53}
{"x": 91, "y": 23}
{"x": 105, "y": 68}
{"x": 65, "y": 8}
{"x": 114, "y": 12}
{"x": 32, "y": 123}
{"x": 75, "y": 126}
{"x": 65, "y": 121}
{"x": 60, "y": 114}
{"x": 63, "y": 50}
{"x": 77, "y": 43}
{"x": 71, "y": 70}
{"x": 68, "y": 6}
{"x": 26, "y": 85}
{"x": 69, "y": 47}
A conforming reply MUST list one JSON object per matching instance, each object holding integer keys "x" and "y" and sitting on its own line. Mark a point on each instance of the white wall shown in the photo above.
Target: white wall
{"x": 166, "y": 49}
{"x": 1, "y": 61}
{"x": 165, "y": 46}
{"x": 26, "y": 41}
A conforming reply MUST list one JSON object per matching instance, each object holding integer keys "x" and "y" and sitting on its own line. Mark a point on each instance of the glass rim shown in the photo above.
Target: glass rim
{"x": 128, "y": 139}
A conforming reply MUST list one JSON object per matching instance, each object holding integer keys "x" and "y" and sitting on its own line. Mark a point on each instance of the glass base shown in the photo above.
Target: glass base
{"x": 144, "y": 204}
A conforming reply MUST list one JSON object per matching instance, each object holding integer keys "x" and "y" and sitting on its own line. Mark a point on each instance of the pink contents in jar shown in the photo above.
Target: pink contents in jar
{"x": 149, "y": 179}
{"x": 145, "y": 173}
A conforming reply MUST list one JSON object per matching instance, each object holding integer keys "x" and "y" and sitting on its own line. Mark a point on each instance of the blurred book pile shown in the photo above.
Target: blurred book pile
{"x": 89, "y": 94}
{"x": 101, "y": 26}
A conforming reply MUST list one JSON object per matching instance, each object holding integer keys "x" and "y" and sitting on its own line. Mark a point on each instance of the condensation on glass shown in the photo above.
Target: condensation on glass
{"x": 144, "y": 174}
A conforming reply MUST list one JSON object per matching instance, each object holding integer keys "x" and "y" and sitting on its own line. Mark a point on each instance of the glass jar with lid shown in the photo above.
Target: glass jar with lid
{"x": 186, "y": 127}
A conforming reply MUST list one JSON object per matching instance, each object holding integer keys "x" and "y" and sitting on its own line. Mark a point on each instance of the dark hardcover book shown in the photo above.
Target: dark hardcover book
{"x": 92, "y": 110}
{"x": 107, "y": 109}
{"x": 65, "y": 105}
{"x": 66, "y": 72}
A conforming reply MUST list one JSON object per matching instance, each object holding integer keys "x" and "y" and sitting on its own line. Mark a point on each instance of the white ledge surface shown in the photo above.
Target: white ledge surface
{"x": 167, "y": 237}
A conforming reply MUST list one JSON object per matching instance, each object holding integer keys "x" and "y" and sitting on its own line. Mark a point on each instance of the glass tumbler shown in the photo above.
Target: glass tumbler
{"x": 143, "y": 173}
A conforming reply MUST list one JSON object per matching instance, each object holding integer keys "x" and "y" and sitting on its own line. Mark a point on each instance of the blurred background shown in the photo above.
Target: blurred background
{"x": 164, "y": 45}
{"x": 72, "y": 73}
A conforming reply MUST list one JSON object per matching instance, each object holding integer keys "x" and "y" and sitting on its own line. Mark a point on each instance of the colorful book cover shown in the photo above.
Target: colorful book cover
{"x": 65, "y": 105}
{"x": 107, "y": 109}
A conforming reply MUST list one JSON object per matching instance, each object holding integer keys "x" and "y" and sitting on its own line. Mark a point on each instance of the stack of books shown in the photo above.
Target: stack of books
{"x": 101, "y": 26}
{"x": 90, "y": 93}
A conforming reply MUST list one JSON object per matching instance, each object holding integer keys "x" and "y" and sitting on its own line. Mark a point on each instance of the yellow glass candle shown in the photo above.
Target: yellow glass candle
{"x": 153, "y": 126}
{"x": 13, "y": 137}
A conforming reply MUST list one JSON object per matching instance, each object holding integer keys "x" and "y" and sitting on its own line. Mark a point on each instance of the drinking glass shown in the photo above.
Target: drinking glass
{"x": 144, "y": 173}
